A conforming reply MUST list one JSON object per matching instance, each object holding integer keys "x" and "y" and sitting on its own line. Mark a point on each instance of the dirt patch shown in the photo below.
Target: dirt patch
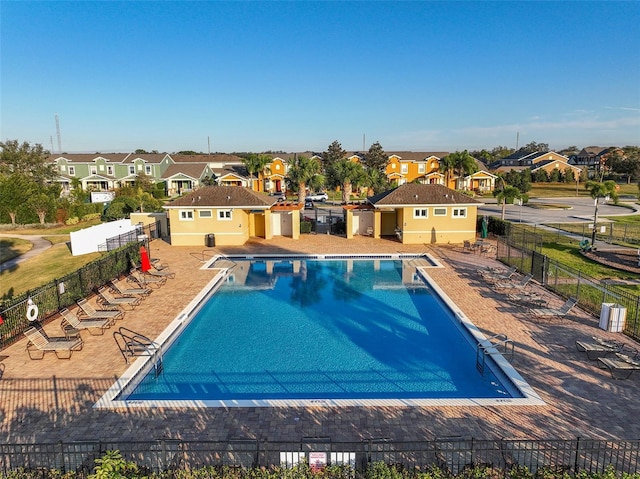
{"x": 625, "y": 260}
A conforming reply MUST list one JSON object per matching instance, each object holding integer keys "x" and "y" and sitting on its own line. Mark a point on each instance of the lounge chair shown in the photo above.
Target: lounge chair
{"x": 110, "y": 301}
{"x": 527, "y": 297}
{"x": 621, "y": 366}
{"x": 513, "y": 285}
{"x": 504, "y": 275}
{"x": 42, "y": 344}
{"x": 91, "y": 313}
{"x": 70, "y": 322}
{"x": 157, "y": 269}
{"x": 559, "y": 312}
{"x": 598, "y": 347}
{"x": 144, "y": 280}
{"x": 125, "y": 290}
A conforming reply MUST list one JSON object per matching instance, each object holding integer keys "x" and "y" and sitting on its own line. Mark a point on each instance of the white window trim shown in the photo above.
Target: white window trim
{"x": 208, "y": 215}
{"x": 148, "y": 170}
{"x": 110, "y": 170}
{"x": 421, "y": 168}
{"x": 404, "y": 168}
{"x": 456, "y": 213}
{"x": 72, "y": 171}
{"x": 132, "y": 170}
{"x": 186, "y": 215}
{"x": 435, "y": 211}
{"x": 93, "y": 170}
{"x": 421, "y": 213}
{"x": 222, "y": 215}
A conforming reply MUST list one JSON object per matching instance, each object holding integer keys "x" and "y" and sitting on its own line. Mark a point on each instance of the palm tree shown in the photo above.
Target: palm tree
{"x": 447, "y": 167}
{"x": 462, "y": 163}
{"x": 600, "y": 190}
{"x": 506, "y": 195}
{"x": 378, "y": 182}
{"x": 303, "y": 173}
{"x": 349, "y": 174}
{"x": 254, "y": 164}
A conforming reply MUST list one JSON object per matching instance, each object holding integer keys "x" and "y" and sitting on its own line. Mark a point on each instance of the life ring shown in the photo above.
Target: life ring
{"x": 32, "y": 312}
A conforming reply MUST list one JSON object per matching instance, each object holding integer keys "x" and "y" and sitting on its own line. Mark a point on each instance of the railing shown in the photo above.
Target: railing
{"x": 450, "y": 454}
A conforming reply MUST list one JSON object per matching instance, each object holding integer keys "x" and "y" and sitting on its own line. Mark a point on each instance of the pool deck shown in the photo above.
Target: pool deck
{"x": 51, "y": 400}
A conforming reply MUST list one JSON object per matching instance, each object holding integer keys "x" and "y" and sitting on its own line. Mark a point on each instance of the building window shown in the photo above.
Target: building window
{"x": 404, "y": 169}
{"x": 439, "y": 212}
{"x": 459, "y": 212}
{"x": 147, "y": 169}
{"x": 132, "y": 170}
{"x": 204, "y": 214}
{"x": 421, "y": 167}
{"x": 101, "y": 167}
{"x": 420, "y": 213}
{"x": 224, "y": 215}
{"x": 93, "y": 170}
{"x": 72, "y": 170}
{"x": 186, "y": 215}
{"x": 109, "y": 170}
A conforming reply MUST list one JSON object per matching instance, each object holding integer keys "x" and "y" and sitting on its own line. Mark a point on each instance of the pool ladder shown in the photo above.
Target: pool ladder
{"x": 495, "y": 345}
{"x": 134, "y": 344}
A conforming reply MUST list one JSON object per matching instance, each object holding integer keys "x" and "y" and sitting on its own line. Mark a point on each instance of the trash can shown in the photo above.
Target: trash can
{"x": 210, "y": 240}
{"x": 612, "y": 317}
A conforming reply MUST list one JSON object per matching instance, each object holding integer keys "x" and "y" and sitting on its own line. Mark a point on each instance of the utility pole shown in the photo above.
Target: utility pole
{"x": 58, "y": 133}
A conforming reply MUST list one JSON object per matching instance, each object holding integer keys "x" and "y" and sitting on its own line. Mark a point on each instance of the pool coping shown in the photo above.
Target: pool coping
{"x": 142, "y": 365}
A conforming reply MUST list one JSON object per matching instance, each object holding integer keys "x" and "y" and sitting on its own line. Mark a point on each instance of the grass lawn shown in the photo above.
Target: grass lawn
{"x": 555, "y": 190}
{"x": 12, "y": 247}
{"x": 55, "y": 262}
{"x": 55, "y": 230}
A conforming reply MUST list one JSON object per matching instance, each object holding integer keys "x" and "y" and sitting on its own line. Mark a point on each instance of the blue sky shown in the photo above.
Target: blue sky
{"x": 295, "y": 76}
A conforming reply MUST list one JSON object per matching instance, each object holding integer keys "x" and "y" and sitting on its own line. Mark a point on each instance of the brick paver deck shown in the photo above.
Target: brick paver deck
{"x": 51, "y": 400}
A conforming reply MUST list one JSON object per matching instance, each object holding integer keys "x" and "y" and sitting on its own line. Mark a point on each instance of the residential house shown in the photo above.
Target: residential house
{"x": 185, "y": 177}
{"x": 594, "y": 158}
{"x": 231, "y": 215}
{"x": 408, "y": 166}
{"x": 546, "y": 160}
{"x": 416, "y": 213}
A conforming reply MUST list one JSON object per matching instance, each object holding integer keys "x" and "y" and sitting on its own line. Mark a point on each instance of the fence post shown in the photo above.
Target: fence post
{"x": 575, "y": 462}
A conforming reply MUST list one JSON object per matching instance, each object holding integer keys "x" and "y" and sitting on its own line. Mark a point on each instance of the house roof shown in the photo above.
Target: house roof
{"x": 146, "y": 157}
{"x": 194, "y": 170}
{"x": 419, "y": 194}
{"x": 224, "y": 197}
{"x": 417, "y": 155}
{"x": 214, "y": 158}
{"x": 239, "y": 171}
{"x": 90, "y": 157}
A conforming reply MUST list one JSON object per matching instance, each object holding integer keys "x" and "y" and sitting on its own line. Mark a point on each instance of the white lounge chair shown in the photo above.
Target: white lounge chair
{"x": 598, "y": 347}
{"x": 514, "y": 285}
{"x": 622, "y": 366}
{"x": 42, "y": 344}
{"x": 110, "y": 301}
{"x": 125, "y": 290}
{"x": 559, "y": 312}
{"x": 91, "y": 313}
{"x": 71, "y": 321}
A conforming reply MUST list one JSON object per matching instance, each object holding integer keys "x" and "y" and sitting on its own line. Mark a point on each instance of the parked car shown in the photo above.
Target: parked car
{"x": 279, "y": 195}
{"x": 317, "y": 197}
{"x": 308, "y": 204}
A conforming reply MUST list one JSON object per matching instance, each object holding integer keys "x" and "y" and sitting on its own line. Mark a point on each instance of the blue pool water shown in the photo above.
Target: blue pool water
{"x": 310, "y": 329}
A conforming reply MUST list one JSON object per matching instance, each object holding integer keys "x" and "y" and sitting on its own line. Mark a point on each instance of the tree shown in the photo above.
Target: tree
{"x": 304, "y": 172}
{"x": 600, "y": 190}
{"x": 534, "y": 147}
{"x": 29, "y": 161}
{"x": 334, "y": 153}
{"x": 255, "y": 163}
{"x": 15, "y": 191}
{"x": 348, "y": 174}
{"x": 376, "y": 180}
{"x": 461, "y": 162}
{"x": 42, "y": 203}
{"x": 447, "y": 167}
{"x": 375, "y": 158}
{"x": 506, "y": 195}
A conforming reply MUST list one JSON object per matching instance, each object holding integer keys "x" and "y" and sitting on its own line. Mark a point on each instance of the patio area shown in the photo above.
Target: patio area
{"x": 51, "y": 400}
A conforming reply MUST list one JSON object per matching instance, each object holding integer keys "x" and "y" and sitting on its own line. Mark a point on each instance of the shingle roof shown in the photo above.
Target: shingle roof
{"x": 224, "y": 196}
{"x": 147, "y": 157}
{"x": 418, "y": 194}
{"x": 90, "y": 157}
{"x": 214, "y": 158}
{"x": 417, "y": 155}
{"x": 194, "y": 170}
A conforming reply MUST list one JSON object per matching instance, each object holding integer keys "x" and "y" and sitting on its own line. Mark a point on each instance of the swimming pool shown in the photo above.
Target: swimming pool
{"x": 275, "y": 331}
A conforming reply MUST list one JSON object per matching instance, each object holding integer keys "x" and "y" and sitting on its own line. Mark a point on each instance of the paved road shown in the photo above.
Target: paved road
{"x": 39, "y": 245}
{"x": 580, "y": 210}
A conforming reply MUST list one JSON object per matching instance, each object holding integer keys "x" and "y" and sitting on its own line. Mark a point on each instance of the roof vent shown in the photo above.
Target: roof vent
{"x": 228, "y": 198}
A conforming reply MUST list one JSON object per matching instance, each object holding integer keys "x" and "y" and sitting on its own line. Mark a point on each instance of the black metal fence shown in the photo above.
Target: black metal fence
{"x": 451, "y": 455}
{"x": 63, "y": 292}
{"x": 568, "y": 282}
{"x": 142, "y": 233}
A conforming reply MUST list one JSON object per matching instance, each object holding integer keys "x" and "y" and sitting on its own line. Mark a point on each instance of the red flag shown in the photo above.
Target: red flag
{"x": 145, "y": 264}
{"x": 1, "y": 320}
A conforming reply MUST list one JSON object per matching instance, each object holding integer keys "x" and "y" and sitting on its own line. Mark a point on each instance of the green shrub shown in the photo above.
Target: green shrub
{"x": 91, "y": 216}
{"x": 72, "y": 221}
{"x": 305, "y": 227}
